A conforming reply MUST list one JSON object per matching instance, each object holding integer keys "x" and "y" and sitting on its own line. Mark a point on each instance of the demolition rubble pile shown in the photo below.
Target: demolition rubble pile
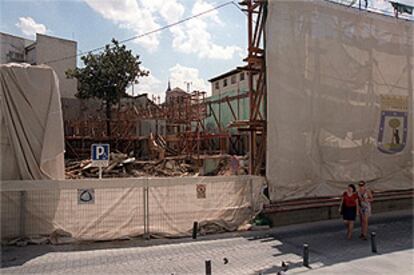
{"x": 121, "y": 165}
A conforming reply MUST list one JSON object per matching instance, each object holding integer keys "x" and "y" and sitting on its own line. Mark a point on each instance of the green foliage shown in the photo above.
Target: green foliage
{"x": 106, "y": 75}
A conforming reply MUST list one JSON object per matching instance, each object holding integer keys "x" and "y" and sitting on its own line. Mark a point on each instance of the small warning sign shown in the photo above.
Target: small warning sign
{"x": 86, "y": 196}
{"x": 201, "y": 191}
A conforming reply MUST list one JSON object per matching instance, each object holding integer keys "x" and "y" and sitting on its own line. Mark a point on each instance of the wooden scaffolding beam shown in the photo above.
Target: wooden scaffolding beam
{"x": 256, "y": 125}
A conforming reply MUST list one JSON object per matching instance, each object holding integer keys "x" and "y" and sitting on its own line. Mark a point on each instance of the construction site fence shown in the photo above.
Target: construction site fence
{"x": 107, "y": 209}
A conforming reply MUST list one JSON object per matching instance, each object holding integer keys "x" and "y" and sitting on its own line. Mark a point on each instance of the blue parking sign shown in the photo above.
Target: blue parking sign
{"x": 100, "y": 154}
{"x": 100, "y": 151}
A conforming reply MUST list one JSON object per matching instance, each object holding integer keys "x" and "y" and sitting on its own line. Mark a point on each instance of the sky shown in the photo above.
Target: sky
{"x": 192, "y": 52}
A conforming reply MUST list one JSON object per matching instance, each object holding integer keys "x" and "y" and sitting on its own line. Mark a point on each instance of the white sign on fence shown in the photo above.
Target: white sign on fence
{"x": 201, "y": 191}
{"x": 86, "y": 196}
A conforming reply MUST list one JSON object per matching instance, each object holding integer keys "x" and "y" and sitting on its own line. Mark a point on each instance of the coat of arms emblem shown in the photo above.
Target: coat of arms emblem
{"x": 393, "y": 127}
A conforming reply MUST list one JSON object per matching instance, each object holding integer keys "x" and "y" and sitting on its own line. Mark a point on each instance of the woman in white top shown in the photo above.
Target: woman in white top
{"x": 365, "y": 198}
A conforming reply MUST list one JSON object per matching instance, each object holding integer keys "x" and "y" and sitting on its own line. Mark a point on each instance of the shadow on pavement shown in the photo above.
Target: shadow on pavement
{"x": 328, "y": 245}
{"x": 326, "y": 240}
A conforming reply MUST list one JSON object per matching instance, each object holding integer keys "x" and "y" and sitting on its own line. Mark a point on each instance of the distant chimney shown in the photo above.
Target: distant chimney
{"x": 188, "y": 86}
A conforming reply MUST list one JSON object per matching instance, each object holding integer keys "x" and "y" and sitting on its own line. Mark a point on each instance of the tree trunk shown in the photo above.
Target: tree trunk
{"x": 108, "y": 118}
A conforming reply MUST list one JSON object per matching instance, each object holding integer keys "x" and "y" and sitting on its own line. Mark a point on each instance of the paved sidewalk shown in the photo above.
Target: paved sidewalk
{"x": 247, "y": 253}
{"x": 401, "y": 263}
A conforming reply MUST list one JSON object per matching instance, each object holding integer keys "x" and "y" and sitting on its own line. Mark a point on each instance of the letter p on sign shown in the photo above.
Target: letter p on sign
{"x": 100, "y": 152}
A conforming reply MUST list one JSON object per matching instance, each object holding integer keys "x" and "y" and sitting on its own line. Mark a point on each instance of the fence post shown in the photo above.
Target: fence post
{"x": 252, "y": 204}
{"x": 22, "y": 229}
{"x": 148, "y": 215}
{"x": 146, "y": 210}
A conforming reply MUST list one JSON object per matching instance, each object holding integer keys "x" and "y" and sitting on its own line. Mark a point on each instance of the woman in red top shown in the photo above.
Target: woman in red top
{"x": 349, "y": 209}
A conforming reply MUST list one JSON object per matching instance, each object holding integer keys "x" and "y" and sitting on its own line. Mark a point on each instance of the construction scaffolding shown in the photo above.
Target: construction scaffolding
{"x": 256, "y": 71}
{"x": 154, "y": 131}
{"x": 177, "y": 127}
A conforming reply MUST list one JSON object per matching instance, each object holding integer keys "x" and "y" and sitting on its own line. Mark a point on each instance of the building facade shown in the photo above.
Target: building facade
{"x": 58, "y": 53}
{"x": 12, "y": 48}
{"x": 176, "y": 95}
{"x": 234, "y": 80}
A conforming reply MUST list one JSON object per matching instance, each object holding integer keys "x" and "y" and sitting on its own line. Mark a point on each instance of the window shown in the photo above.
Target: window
{"x": 217, "y": 85}
{"x": 241, "y": 76}
{"x": 225, "y": 82}
{"x": 233, "y": 79}
{"x": 15, "y": 57}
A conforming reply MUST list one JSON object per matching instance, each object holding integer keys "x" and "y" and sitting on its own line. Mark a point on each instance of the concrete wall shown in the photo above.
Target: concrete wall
{"x": 12, "y": 48}
{"x": 92, "y": 109}
{"x": 76, "y": 109}
{"x": 51, "y": 48}
{"x": 44, "y": 49}
{"x": 31, "y": 54}
{"x": 147, "y": 126}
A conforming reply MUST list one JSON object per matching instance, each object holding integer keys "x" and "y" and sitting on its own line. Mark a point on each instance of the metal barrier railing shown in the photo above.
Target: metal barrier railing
{"x": 328, "y": 201}
{"x": 117, "y": 208}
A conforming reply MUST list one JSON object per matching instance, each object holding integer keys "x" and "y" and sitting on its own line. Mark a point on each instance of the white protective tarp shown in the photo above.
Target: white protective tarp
{"x": 32, "y": 141}
{"x": 121, "y": 209}
{"x": 340, "y": 99}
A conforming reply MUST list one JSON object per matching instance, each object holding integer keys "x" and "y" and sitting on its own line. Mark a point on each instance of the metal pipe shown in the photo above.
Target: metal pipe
{"x": 145, "y": 212}
{"x": 148, "y": 218}
{"x": 373, "y": 242}
{"x": 195, "y": 227}
{"x": 208, "y": 267}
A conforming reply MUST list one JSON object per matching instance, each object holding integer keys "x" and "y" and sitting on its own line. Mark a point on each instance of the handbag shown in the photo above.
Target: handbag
{"x": 341, "y": 207}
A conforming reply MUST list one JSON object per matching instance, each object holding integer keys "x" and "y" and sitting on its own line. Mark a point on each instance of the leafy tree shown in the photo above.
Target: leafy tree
{"x": 106, "y": 76}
